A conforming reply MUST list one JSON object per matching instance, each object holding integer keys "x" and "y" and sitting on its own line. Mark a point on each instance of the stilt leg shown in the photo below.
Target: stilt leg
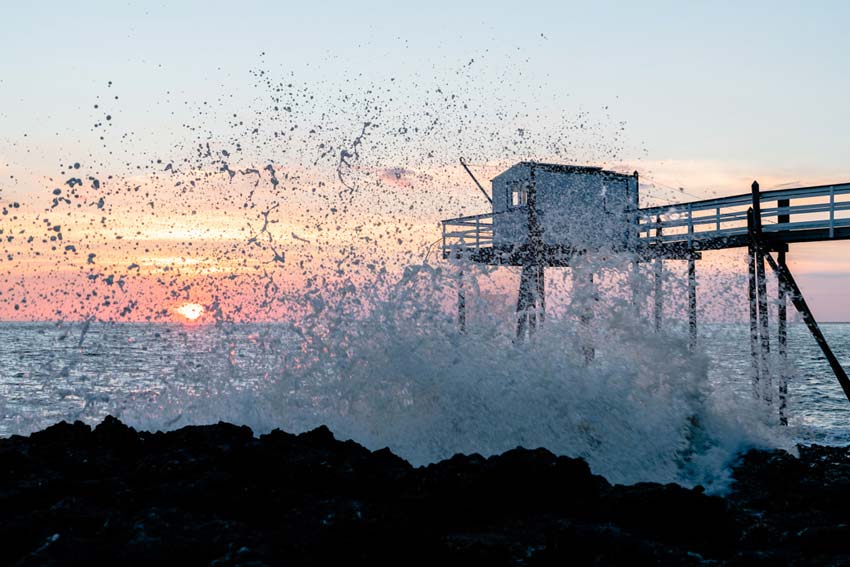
{"x": 534, "y": 303}
{"x": 659, "y": 279}
{"x": 783, "y": 346}
{"x": 657, "y": 294}
{"x": 781, "y": 316}
{"x": 524, "y": 301}
{"x": 758, "y": 251}
{"x": 692, "y": 302}
{"x": 761, "y": 283}
{"x": 461, "y": 304}
{"x": 531, "y": 302}
{"x": 635, "y": 277}
{"x": 751, "y": 288}
{"x": 541, "y": 293}
{"x": 585, "y": 319}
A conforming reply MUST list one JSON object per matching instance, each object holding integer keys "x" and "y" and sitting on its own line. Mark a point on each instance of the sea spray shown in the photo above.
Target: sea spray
{"x": 300, "y": 222}
{"x": 389, "y": 367}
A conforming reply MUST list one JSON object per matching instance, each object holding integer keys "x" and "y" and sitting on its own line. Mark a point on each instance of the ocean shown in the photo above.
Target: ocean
{"x": 629, "y": 425}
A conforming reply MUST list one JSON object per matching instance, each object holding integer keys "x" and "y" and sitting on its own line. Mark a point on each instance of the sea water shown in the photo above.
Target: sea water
{"x": 429, "y": 395}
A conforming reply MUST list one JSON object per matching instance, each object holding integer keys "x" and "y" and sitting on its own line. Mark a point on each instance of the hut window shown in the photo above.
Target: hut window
{"x": 519, "y": 195}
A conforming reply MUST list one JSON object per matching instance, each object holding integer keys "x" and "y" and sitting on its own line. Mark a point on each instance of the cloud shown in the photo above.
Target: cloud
{"x": 398, "y": 176}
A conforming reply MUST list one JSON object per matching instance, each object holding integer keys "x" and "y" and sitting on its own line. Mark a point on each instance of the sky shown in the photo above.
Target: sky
{"x": 700, "y": 98}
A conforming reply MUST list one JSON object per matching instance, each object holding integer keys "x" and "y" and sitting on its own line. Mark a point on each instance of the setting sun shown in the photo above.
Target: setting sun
{"x": 190, "y": 311}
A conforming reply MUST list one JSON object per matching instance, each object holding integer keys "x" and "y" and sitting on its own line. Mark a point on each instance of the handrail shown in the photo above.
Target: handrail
{"x": 693, "y": 221}
{"x": 471, "y": 232}
{"x": 745, "y": 198}
{"x": 468, "y": 217}
{"x": 716, "y": 215}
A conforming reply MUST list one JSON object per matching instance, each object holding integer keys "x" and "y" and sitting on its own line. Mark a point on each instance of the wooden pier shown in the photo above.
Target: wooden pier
{"x": 764, "y": 222}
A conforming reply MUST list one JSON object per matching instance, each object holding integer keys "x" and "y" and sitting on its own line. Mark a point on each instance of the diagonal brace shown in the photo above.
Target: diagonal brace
{"x": 784, "y": 274}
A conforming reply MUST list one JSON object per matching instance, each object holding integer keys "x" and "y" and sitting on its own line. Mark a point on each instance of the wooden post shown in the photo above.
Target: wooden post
{"x": 634, "y": 242}
{"x": 524, "y": 301}
{"x": 692, "y": 285}
{"x": 800, "y": 303}
{"x": 761, "y": 284}
{"x": 635, "y": 283}
{"x": 751, "y": 289}
{"x": 783, "y": 218}
{"x": 531, "y": 301}
{"x": 585, "y": 319}
{"x": 461, "y": 304}
{"x": 692, "y": 301}
{"x": 782, "y": 338}
{"x": 541, "y": 292}
{"x": 659, "y": 273}
{"x": 781, "y": 318}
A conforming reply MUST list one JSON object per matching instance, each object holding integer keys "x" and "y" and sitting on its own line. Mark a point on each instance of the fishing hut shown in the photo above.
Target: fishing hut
{"x": 546, "y": 215}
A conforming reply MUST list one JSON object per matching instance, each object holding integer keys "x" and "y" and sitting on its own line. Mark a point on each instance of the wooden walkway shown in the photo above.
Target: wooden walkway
{"x": 806, "y": 214}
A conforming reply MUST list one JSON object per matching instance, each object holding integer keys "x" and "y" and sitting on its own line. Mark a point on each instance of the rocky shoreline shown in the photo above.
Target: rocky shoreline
{"x": 217, "y": 495}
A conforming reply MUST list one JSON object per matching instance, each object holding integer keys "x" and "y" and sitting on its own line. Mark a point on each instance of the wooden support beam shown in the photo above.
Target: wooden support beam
{"x": 585, "y": 319}
{"x": 782, "y": 339}
{"x": 751, "y": 292}
{"x": 799, "y": 302}
{"x": 525, "y": 301}
{"x": 692, "y": 285}
{"x": 659, "y": 279}
{"x": 761, "y": 285}
{"x": 781, "y": 326}
{"x": 531, "y": 300}
{"x": 692, "y": 303}
{"x": 635, "y": 285}
{"x": 541, "y": 293}
{"x": 461, "y": 303}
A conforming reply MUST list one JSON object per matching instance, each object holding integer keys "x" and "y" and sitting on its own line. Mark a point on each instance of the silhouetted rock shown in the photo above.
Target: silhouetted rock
{"x": 218, "y": 495}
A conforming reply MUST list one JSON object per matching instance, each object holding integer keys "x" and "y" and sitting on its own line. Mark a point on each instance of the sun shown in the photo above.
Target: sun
{"x": 190, "y": 311}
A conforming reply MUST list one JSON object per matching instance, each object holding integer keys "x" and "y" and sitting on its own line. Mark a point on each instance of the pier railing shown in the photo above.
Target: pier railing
{"x": 824, "y": 208}
{"x": 794, "y": 215}
{"x": 470, "y": 233}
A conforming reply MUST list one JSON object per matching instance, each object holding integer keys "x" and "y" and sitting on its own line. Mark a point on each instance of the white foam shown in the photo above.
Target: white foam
{"x": 398, "y": 373}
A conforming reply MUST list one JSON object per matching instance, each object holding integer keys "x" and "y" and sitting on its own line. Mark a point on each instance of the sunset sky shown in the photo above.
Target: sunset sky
{"x": 220, "y": 147}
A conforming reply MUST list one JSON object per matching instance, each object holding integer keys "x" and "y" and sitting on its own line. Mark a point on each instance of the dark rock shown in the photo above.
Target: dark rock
{"x": 113, "y": 433}
{"x": 673, "y": 514}
{"x": 825, "y": 539}
{"x": 218, "y": 495}
{"x": 319, "y": 437}
{"x": 62, "y": 433}
{"x": 769, "y": 478}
